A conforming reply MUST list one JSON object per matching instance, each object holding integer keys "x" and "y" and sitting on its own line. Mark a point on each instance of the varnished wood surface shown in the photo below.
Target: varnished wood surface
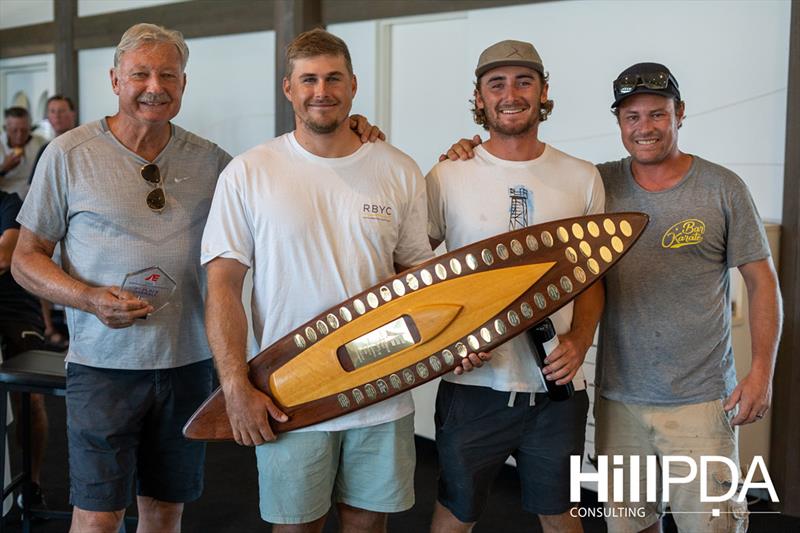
{"x": 301, "y": 371}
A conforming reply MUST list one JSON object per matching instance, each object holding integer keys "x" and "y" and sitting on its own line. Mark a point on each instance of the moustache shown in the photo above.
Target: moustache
{"x": 323, "y": 101}
{"x": 514, "y": 105}
{"x": 154, "y": 98}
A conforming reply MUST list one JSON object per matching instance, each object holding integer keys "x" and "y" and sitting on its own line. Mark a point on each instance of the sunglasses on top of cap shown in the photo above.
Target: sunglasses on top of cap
{"x": 156, "y": 199}
{"x": 650, "y": 80}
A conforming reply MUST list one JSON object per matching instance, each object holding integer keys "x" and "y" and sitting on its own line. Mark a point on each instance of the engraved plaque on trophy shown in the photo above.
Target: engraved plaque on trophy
{"x": 151, "y": 284}
{"x": 418, "y": 325}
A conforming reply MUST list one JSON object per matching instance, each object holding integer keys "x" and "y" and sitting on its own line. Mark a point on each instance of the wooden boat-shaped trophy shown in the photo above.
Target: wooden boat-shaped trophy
{"x": 417, "y": 325}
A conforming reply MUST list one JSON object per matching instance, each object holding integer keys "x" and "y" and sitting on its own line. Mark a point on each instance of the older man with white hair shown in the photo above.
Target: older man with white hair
{"x": 125, "y": 194}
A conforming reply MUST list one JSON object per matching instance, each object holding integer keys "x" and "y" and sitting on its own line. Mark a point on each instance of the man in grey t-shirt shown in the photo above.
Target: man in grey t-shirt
{"x": 666, "y": 373}
{"x": 128, "y": 193}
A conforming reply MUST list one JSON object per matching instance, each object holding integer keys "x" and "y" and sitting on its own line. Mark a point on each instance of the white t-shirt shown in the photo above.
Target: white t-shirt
{"x": 16, "y": 180}
{"x": 472, "y": 200}
{"x": 317, "y": 231}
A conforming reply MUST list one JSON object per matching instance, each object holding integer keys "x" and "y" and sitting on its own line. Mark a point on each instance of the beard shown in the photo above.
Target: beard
{"x": 324, "y": 125}
{"x": 321, "y": 128}
{"x": 494, "y": 123}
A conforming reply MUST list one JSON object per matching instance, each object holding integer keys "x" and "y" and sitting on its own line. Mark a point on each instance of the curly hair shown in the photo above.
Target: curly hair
{"x": 479, "y": 115}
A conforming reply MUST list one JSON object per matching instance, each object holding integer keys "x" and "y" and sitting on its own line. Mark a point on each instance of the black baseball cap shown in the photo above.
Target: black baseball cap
{"x": 645, "y": 78}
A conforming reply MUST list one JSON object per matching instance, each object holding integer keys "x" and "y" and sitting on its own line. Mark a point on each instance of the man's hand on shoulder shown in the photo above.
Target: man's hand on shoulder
{"x": 114, "y": 307}
{"x": 753, "y": 395}
{"x": 462, "y": 150}
{"x": 249, "y": 411}
{"x": 367, "y": 132}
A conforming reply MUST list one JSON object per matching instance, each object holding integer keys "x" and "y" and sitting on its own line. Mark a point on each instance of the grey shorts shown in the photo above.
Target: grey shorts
{"x": 369, "y": 468}
{"x": 125, "y": 426}
{"x": 476, "y": 432}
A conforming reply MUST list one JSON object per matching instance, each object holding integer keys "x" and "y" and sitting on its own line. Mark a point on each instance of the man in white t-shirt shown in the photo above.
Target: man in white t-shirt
{"x": 318, "y": 217}
{"x": 483, "y": 417}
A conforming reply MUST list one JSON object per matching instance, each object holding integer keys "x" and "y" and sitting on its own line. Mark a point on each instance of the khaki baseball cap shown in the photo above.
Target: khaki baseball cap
{"x": 509, "y": 53}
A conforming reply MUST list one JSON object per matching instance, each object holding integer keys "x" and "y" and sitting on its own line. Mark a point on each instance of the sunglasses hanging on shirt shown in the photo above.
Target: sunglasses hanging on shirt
{"x": 156, "y": 199}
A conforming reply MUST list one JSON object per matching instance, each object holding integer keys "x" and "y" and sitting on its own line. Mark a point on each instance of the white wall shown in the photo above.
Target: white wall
{"x": 360, "y": 39}
{"x": 32, "y": 75}
{"x": 730, "y": 58}
{"x": 23, "y": 12}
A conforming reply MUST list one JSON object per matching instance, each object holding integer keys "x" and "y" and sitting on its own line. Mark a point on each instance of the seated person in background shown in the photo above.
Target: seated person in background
{"x": 21, "y": 329}
{"x": 18, "y": 149}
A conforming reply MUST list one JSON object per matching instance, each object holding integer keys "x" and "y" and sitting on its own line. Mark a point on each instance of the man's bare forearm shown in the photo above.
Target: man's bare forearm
{"x": 226, "y": 321}
{"x": 34, "y": 269}
{"x": 765, "y": 314}
{"x": 587, "y": 311}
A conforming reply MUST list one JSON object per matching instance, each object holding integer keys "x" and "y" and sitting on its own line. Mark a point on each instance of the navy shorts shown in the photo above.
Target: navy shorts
{"x": 125, "y": 426}
{"x": 476, "y": 432}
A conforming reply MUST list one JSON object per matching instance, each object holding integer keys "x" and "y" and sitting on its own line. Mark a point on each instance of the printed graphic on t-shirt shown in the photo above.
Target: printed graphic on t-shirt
{"x": 377, "y": 211}
{"x": 684, "y": 233}
{"x": 520, "y": 212}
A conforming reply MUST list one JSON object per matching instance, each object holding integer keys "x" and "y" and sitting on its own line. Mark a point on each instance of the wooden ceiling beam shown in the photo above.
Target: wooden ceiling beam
{"x": 208, "y": 18}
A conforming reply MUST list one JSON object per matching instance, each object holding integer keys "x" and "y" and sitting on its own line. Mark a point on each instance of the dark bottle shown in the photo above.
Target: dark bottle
{"x": 544, "y": 340}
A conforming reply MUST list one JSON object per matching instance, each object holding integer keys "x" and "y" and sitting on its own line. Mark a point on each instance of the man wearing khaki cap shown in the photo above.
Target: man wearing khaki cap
{"x": 484, "y": 417}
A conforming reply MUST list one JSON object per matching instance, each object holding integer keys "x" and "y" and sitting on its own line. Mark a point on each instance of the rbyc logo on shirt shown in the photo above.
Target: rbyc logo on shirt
{"x": 377, "y": 212}
{"x": 684, "y": 233}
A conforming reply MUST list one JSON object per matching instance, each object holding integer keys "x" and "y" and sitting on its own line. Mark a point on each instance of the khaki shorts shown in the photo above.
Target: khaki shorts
{"x": 693, "y": 430}
{"x": 368, "y": 468}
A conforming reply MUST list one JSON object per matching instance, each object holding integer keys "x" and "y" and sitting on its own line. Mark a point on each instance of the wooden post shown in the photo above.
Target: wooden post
{"x": 785, "y": 441}
{"x": 292, "y": 17}
{"x": 66, "y": 13}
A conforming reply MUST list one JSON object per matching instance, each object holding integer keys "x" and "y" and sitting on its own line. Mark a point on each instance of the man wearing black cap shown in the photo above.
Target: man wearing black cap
{"x": 666, "y": 373}
{"x": 482, "y": 418}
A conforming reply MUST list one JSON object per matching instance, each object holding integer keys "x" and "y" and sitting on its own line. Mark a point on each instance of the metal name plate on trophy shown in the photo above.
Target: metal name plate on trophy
{"x": 151, "y": 284}
{"x": 417, "y": 325}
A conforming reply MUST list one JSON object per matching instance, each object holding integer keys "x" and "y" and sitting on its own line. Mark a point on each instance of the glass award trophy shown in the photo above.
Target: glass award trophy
{"x": 151, "y": 284}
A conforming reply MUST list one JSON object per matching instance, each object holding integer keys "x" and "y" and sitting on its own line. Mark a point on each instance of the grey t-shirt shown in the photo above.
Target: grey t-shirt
{"x": 665, "y": 332}
{"x": 89, "y": 194}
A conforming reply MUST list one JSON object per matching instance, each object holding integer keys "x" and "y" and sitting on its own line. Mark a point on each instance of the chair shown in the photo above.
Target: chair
{"x": 31, "y": 372}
